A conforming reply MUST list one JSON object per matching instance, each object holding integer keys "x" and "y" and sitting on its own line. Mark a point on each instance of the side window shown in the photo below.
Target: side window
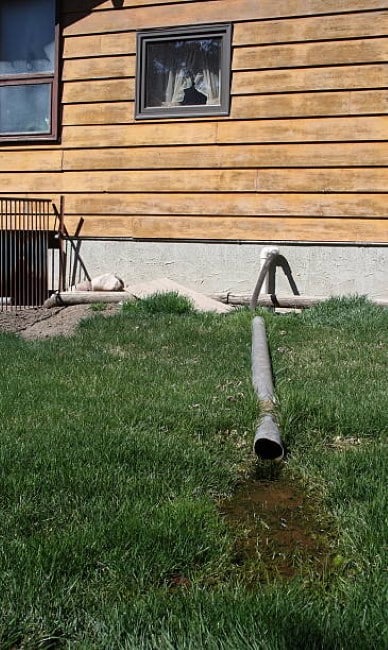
{"x": 28, "y": 70}
{"x": 183, "y": 72}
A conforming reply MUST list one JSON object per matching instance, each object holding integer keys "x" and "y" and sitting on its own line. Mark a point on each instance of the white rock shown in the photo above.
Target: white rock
{"x": 107, "y": 282}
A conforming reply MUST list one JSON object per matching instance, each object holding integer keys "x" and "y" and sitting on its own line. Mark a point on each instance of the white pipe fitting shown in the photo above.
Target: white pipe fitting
{"x": 265, "y": 253}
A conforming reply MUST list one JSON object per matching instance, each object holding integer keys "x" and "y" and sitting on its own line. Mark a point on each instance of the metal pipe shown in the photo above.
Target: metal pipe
{"x": 266, "y": 262}
{"x": 267, "y": 442}
{"x": 265, "y": 253}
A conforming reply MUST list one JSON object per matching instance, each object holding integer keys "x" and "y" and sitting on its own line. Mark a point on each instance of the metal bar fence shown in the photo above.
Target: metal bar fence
{"x": 29, "y": 244}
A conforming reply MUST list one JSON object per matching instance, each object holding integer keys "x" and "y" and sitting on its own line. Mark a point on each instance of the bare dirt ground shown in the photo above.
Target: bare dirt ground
{"x": 41, "y": 323}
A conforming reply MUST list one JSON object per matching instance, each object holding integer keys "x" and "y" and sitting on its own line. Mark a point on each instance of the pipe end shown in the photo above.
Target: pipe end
{"x": 269, "y": 449}
{"x": 268, "y": 444}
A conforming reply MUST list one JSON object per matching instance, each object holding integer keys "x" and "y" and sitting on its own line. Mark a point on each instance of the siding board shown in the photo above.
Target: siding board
{"x": 324, "y": 28}
{"x": 249, "y": 132}
{"x": 236, "y": 180}
{"x": 321, "y": 155}
{"x": 308, "y": 79}
{"x": 292, "y": 105}
{"x": 364, "y": 206}
{"x": 232, "y": 229}
{"x": 311, "y": 54}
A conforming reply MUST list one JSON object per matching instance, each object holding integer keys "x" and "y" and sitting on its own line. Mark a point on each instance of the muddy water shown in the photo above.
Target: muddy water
{"x": 279, "y": 530}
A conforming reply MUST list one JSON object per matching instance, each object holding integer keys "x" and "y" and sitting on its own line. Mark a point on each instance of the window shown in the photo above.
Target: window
{"x": 183, "y": 72}
{"x": 28, "y": 70}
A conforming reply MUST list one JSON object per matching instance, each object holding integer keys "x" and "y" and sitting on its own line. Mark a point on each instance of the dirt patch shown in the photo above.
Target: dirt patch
{"x": 41, "y": 323}
{"x": 280, "y": 531}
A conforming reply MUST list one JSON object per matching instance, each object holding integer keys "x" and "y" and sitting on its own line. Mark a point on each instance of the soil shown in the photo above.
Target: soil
{"x": 279, "y": 530}
{"x": 42, "y": 323}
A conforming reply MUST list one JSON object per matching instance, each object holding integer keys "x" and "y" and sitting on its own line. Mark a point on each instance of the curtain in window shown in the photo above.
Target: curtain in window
{"x": 27, "y": 34}
{"x": 183, "y": 72}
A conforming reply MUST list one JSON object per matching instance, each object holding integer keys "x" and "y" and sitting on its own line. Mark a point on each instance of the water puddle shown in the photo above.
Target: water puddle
{"x": 279, "y": 530}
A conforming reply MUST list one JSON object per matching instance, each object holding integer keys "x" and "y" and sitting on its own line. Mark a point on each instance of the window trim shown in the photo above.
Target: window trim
{"x": 39, "y": 78}
{"x": 190, "y": 32}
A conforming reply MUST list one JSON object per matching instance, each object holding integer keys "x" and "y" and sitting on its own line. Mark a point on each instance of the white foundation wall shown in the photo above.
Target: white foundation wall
{"x": 216, "y": 268}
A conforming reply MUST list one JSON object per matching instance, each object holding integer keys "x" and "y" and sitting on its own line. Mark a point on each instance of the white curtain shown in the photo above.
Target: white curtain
{"x": 193, "y": 68}
{"x": 177, "y": 83}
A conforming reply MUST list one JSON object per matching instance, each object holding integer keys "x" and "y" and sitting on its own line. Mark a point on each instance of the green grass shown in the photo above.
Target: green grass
{"x": 115, "y": 445}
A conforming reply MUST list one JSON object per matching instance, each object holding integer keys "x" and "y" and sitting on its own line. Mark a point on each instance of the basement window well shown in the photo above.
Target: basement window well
{"x": 28, "y": 70}
{"x": 183, "y": 72}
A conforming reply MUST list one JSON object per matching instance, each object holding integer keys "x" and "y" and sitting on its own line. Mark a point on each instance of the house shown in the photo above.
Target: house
{"x": 177, "y": 129}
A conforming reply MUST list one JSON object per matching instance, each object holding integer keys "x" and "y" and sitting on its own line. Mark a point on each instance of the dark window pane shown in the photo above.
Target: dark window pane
{"x": 25, "y": 109}
{"x": 184, "y": 72}
{"x": 27, "y": 35}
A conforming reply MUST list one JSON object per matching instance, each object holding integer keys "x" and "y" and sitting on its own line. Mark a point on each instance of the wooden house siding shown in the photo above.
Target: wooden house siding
{"x": 301, "y": 157}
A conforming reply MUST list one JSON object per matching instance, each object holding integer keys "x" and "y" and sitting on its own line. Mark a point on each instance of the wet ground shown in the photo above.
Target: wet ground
{"x": 279, "y": 530}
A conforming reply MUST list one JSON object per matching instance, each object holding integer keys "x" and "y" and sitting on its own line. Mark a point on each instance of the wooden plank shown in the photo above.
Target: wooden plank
{"x": 200, "y": 13}
{"x": 99, "y": 113}
{"x": 244, "y": 131}
{"x": 312, "y": 129}
{"x": 310, "y": 54}
{"x": 213, "y": 156}
{"x": 237, "y": 204}
{"x": 99, "y": 68}
{"x": 140, "y": 134}
{"x": 362, "y": 25}
{"x": 210, "y": 180}
{"x": 232, "y": 229}
{"x": 133, "y": 181}
{"x": 322, "y": 180}
{"x": 325, "y": 104}
{"x": 98, "y": 91}
{"x": 99, "y": 45}
{"x": 28, "y": 161}
{"x": 307, "y": 79}
{"x": 352, "y": 102}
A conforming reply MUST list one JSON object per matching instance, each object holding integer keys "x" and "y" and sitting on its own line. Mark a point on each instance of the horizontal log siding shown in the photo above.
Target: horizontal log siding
{"x": 301, "y": 157}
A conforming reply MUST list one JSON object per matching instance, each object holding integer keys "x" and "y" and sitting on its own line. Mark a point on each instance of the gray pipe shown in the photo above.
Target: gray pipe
{"x": 267, "y": 443}
{"x": 266, "y": 265}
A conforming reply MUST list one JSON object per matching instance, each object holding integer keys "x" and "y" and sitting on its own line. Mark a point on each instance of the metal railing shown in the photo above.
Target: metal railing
{"x": 73, "y": 268}
{"x": 31, "y": 251}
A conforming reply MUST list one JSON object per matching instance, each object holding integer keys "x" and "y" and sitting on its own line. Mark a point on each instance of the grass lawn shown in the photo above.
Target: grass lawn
{"x": 118, "y": 445}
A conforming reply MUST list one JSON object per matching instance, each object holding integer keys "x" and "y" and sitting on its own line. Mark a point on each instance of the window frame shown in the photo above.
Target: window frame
{"x": 52, "y": 79}
{"x": 191, "y": 32}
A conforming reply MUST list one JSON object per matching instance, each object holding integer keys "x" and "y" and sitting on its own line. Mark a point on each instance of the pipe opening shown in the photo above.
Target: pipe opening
{"x": 268, "y": 449}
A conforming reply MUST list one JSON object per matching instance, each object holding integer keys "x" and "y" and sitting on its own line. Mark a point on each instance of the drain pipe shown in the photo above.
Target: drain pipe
{"x": 267, "y": 443}
{"x": 268, "y": 255}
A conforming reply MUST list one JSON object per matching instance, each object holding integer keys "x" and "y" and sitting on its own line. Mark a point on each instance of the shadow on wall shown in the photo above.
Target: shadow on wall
{"x": 76, "y": 10}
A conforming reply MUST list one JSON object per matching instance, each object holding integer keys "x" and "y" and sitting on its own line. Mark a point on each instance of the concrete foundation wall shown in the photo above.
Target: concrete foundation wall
{"x": 215, "y": 268}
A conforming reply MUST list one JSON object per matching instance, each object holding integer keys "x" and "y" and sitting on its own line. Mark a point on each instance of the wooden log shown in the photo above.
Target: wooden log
{"x": 66, "y": 298}
{"x": 282, "y": 301}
